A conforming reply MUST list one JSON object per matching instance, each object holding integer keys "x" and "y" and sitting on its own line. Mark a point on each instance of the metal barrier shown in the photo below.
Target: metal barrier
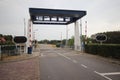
{"x": 8, "y": 50}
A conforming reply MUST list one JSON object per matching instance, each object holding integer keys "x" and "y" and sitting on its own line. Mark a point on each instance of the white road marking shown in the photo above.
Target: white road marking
{"x": 83, "y": 65}
{"x": 48, "y": 77}
{"x": 112, "y": 73}
{"x": 64, "y": 56}
{"x": 102, "y": 75}
{"x": 42, "y": 55}
{"x": 74, "y": 61}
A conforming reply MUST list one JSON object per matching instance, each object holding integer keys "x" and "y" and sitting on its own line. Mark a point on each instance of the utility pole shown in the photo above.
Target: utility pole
{"x": 66, "y": 35}
{"x": 85, "y": 32}
{"x": 24, "y": 27}
{"x": 61, "y": 39}
{"x": 85, "y": 29}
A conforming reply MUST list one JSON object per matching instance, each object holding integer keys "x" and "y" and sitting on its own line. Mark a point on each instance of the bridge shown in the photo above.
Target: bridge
{"x": 56, "y": 17}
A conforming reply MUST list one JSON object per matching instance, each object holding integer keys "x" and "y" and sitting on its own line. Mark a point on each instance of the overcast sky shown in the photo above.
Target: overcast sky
{"x": 102, "y": 16}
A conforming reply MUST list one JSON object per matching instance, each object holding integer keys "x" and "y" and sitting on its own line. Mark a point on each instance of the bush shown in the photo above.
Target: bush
{"x": 106, "y": 50}
{"x": 58, "y": 45}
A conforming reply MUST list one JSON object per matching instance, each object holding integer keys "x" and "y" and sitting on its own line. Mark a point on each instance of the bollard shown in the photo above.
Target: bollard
{"x": 29, "y": 50}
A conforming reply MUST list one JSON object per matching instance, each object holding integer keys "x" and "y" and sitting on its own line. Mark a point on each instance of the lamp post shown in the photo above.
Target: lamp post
{"x": 61, "y": 40}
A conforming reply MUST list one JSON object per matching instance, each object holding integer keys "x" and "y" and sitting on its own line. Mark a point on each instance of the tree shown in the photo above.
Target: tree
{"x": 71, "y": 41}
{"x": 7, "y": 39}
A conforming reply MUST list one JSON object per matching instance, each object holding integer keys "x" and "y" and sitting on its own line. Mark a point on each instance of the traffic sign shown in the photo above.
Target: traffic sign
{"x": 101, "y": 37}
{"x": 20, "y": 39}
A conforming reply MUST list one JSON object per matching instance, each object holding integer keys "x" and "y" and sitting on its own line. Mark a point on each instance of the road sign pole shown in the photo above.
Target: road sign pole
{"x": 67, "y": 36}
{"x": 100, "y": 42}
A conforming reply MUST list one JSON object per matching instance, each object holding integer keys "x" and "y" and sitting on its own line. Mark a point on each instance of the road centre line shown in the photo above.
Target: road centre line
{"x": 64, "y": 56}
{"x": 102, "y": 75}
{"x": 41, "y": 54}
{"x": 83, "y": 65}
{"x": 112, "y": 73}
{"x": 74, "y": 61}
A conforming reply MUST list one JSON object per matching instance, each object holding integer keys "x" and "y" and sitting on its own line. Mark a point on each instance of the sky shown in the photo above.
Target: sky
{"x": 102, "y": 16}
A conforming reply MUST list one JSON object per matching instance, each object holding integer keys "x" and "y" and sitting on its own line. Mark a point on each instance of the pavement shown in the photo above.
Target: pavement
{"x": 21, "y": 67}
{"x": 23, "y": 56}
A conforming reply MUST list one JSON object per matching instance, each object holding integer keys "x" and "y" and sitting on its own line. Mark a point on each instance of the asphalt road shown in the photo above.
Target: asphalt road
{"x": 62, "y": 64}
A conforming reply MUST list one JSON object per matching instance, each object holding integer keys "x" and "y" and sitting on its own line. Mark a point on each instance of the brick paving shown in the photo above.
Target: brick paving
{"x": 21, "y": 67}
{"x": 20, "y": 57}
{"x": 20, "y": 70}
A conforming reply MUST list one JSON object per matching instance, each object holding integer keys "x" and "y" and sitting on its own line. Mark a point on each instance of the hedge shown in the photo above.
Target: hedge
{"x": 106, "y": 50}
{"x": 58, "y": 45}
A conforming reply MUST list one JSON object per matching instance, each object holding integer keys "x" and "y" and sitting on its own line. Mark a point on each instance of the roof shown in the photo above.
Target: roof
{"x": 55, "y": 16}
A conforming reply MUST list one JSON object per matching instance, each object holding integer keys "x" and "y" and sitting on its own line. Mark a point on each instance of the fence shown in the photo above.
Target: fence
{"x": 8, "y": 50}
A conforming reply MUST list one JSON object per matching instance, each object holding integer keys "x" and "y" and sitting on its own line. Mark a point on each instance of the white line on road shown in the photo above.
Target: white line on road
{"x": 83, "y": 65}
{"x": 48, "y": 77}
{"x": 74, "y": 61}
{"x": 112, "y": 73}
{"x": 64, "y": 56}
{"x": 102, "y": 75}
{"x": 42, "y": 55}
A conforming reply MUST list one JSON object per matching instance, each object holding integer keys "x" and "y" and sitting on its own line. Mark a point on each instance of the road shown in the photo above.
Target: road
{"x": 64, "y": 64}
